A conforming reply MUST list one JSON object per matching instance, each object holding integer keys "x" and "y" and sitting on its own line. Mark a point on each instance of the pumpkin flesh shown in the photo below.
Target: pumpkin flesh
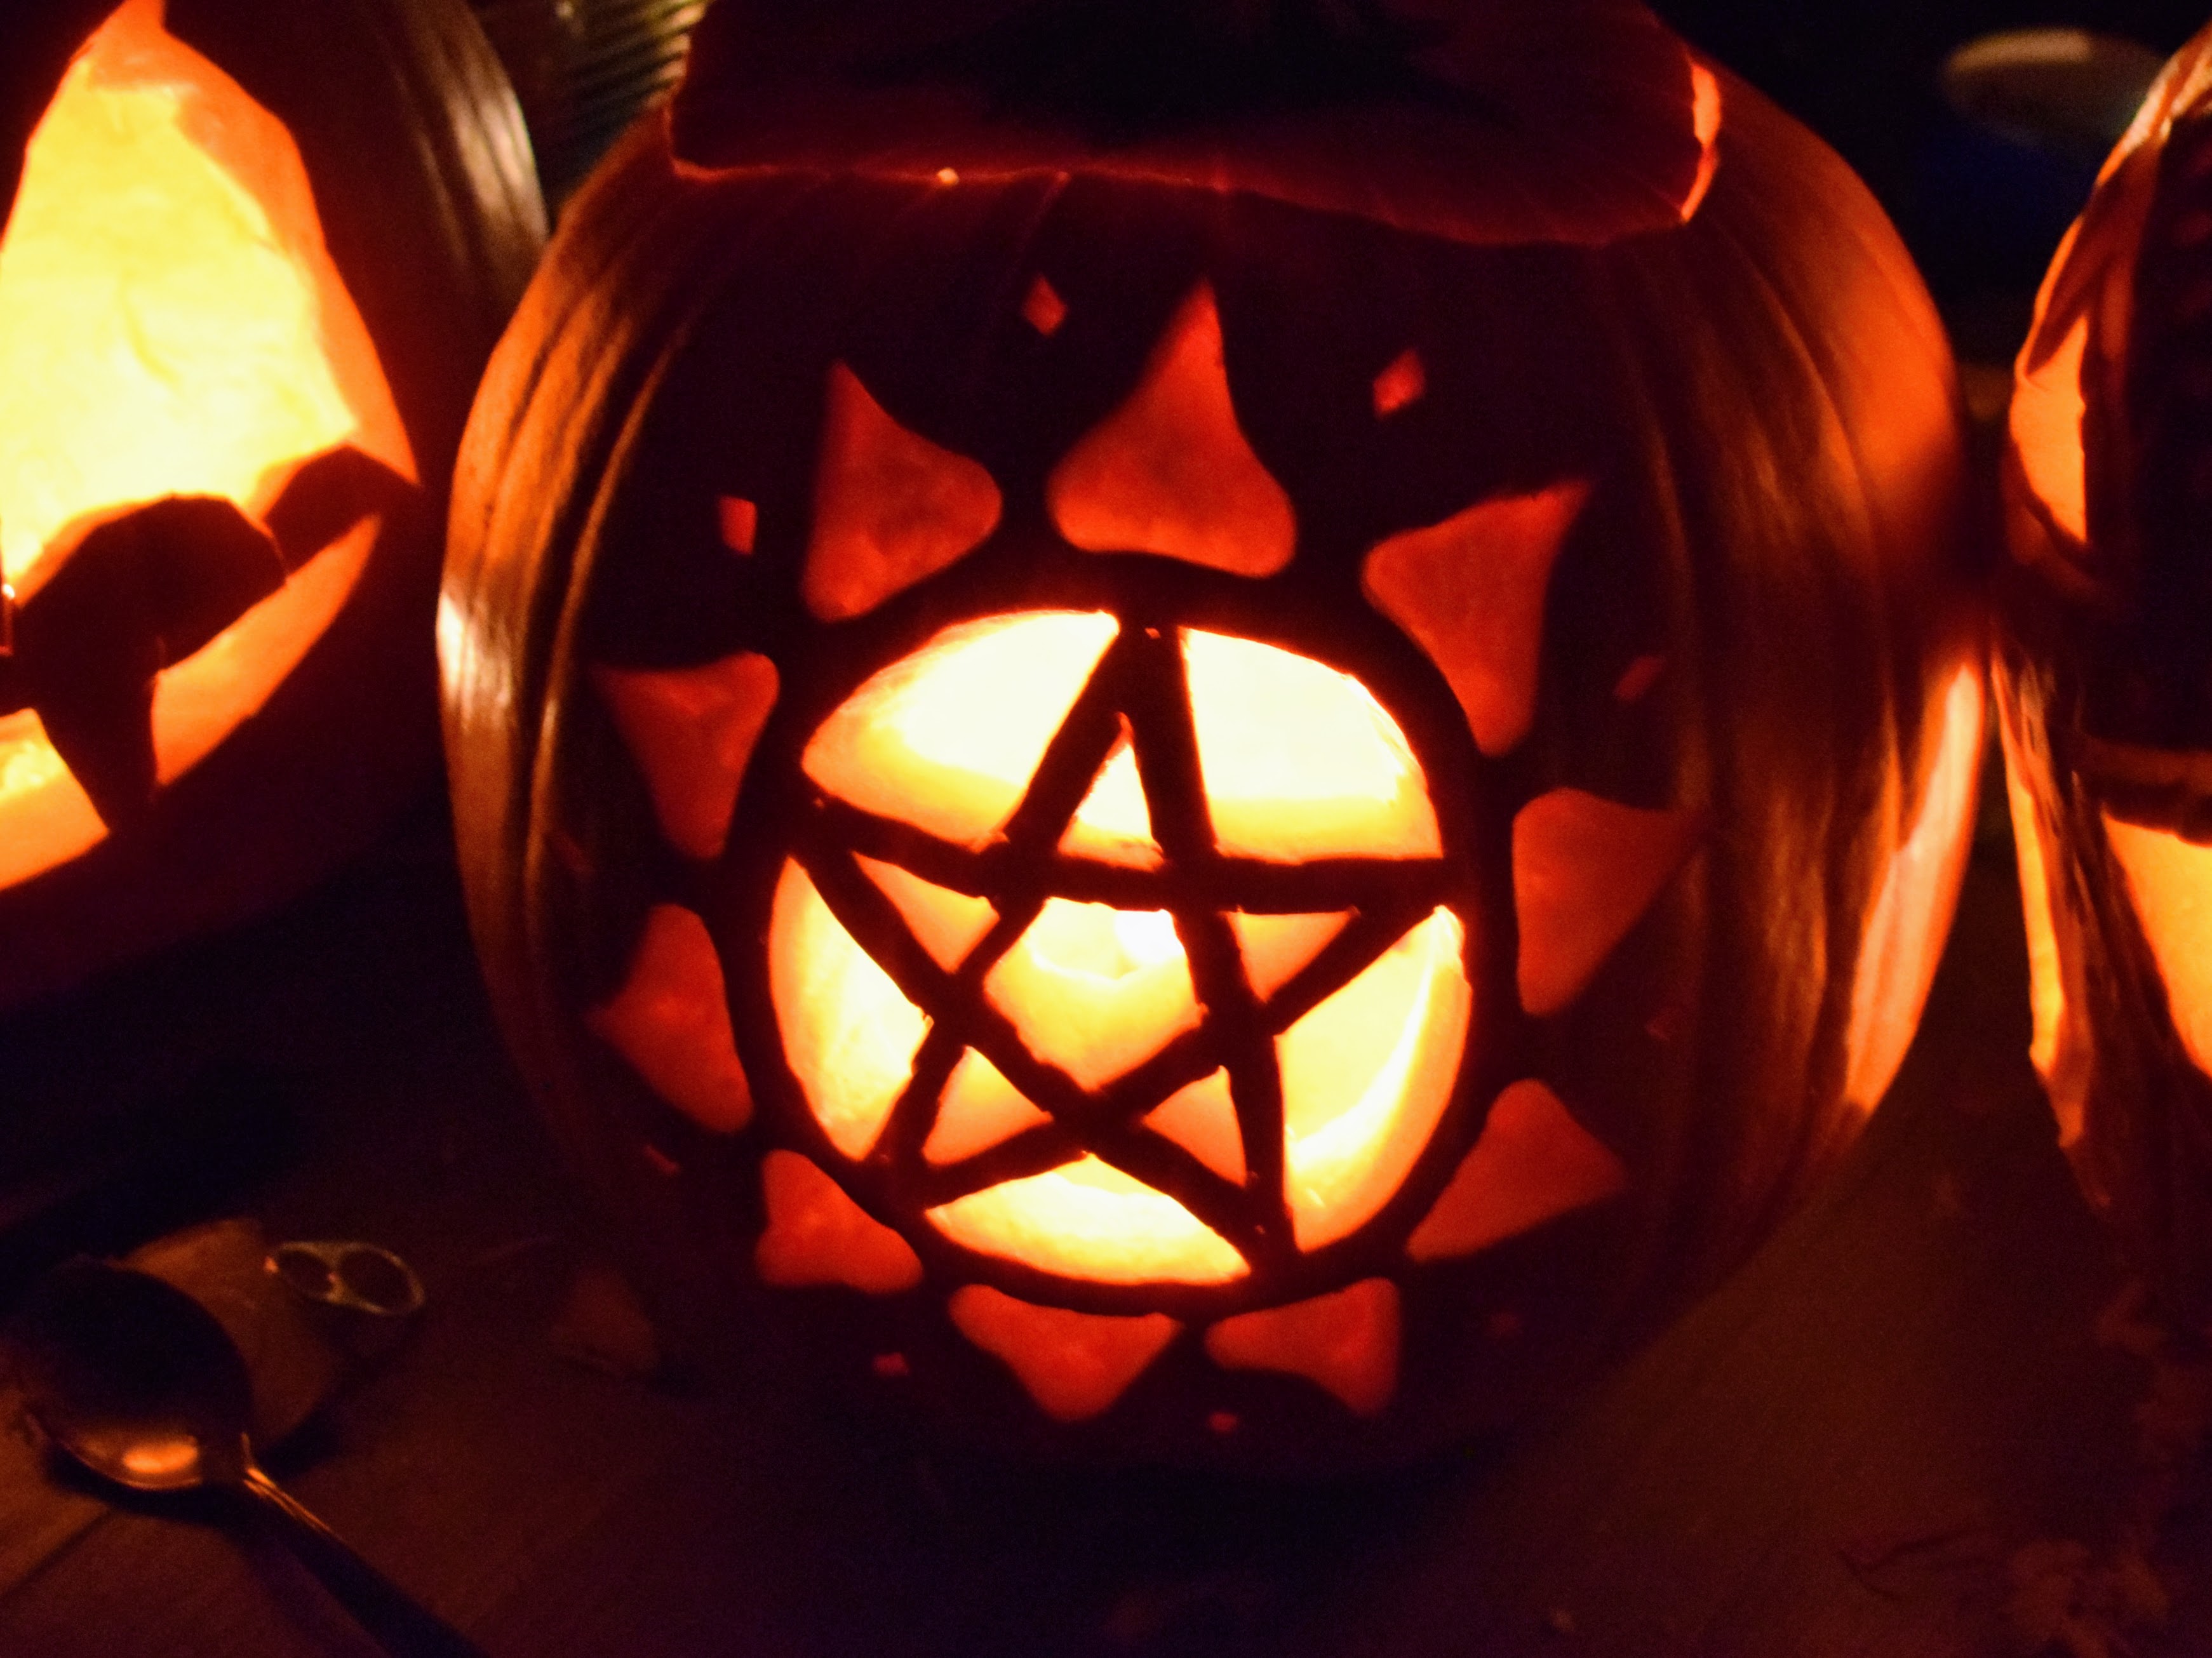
{"x": 170, "y": 324}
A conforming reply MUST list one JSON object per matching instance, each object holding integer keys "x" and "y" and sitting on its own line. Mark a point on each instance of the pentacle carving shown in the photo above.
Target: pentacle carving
{"x": 1100, "y": 913}
{"x": 1156, "y": 976}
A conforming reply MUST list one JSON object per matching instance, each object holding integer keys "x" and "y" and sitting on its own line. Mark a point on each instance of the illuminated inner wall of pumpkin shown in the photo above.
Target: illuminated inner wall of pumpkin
{"x": 170, "y": 324}
{"x": 1299, "y": 762}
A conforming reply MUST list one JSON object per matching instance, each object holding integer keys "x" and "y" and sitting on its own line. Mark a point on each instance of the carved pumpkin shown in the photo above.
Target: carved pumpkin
{"x": 1234, "y": 790}
{"x": 250, "y": 262}
{"x": 2106, "y": 700}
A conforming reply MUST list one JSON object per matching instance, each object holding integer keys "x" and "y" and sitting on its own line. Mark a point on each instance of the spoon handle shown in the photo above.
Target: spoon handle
{"x": 401, "y": 1624}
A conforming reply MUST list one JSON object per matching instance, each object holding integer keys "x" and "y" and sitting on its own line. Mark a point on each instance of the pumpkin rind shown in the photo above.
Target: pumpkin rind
{"x": 1793, "y": 583}
{"x": 2101, "y": 670}
{"x": 430, "y": 210}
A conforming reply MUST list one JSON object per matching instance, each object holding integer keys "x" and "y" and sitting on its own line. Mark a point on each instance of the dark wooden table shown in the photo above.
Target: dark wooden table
{"x": 1879, "y": 1437}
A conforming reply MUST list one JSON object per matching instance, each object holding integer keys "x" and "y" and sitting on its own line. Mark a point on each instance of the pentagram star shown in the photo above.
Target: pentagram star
{"x": 1138, "y": 693}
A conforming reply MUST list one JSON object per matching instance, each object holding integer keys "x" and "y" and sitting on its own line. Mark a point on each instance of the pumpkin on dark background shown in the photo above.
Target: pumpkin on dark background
{"x": 253, "y": 261}
{"x": 1013, "y": 571}
{"x": 2107, "y": 701}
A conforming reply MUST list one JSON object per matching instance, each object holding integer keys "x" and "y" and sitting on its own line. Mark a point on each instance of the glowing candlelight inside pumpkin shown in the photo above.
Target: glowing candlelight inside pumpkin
{"x": 170, "y": 324}
{"x": 1299, "y": 761}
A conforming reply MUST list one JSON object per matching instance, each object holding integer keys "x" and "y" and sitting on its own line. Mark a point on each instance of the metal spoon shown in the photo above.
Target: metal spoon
{"x": 138, "y": 1382}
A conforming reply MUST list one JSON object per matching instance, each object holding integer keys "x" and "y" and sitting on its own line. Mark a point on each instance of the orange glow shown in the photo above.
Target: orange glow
{"x": 2171, "y": 882}
{"x": 1201, "y": 1118}
{"x": 170, "y": 322}
{"x": 2046, "y": 432}
{"x": 1276, "y": 947}
{"x": 1300, "y": 761}
{"x": 946, "y": 924}
{"x": 1042, "y": 308}
{"x": 1365, "y": 1076}
{"x": 49, "y": 817}
{"x": 1470, "y": 593}
{"x": 1532, "y": 1163}
{"x": 979, "y": 1109}
{"x": 1074, "y": 1365}
{"x": 1346, "y": 1341}
{"x": 1088, "y": 1220}
{"x": 2046, "y": 982}
{"x": 1905, "y": 931}
{"x": 692, "y": 731}
{"x": 937, "y": 741}
{"x": 1585, "y": 869}
{"x": 1082, "y": 1001}
{"x": 849, "y": 1033}
{"x": 1113, "y": 824}
{"x": 1705, "y": 117}
{"x": 163, "y": 1461}
{"x": 1403, "y": 381}
{"x": 1296, "y": 762}
{"x": 672, "y": 1022}
{"x": 891, "y": 508}
{"x": 817, "y": 1234}
{"x": 1171, "y": 472}
{"x": 739, "y": 521}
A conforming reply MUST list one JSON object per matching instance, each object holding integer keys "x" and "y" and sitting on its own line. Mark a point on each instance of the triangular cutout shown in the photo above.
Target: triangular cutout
{"x": 1171, "y": 472}
{"x": 945, "y": 923}
{"x": 1074, "y": 1364}
{"x": 1113, "y": 824}
{"x": 1347, "y": 1341}
{"x": 671, "y": 1020}
{"x": 1532, "y": 1163}
{"x": 1093, "y": 990}
{"x": 1201, "y": 1118}
{"x": 817, "y": 1235}
{"x": 891, "y": 508}
{"x": 980, "y": 1108}
{"x": 691, "y": 731}
{"x": 1404, "y": 380}
{"x": 1470, "y": 593}
{"x": 739, "y": 519}
{"x": 1277, "y": 948}
{"x": 1043, "y": 309}
{"x": 1584, "y": 871}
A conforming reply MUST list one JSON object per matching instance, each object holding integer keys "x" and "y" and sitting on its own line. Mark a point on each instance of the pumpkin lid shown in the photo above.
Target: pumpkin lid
{"x": 1484, "y": 121}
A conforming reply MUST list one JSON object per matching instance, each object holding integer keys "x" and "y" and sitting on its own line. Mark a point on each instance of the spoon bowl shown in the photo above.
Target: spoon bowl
{"x": 141, "y": 1385}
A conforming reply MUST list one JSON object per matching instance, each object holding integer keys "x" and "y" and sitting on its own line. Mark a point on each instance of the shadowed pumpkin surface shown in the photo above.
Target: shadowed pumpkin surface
{"x": 1272, "y": 707}
{"x": 2106, "y": 713}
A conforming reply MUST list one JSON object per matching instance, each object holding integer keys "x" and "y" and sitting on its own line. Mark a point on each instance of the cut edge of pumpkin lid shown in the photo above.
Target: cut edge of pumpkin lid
{"x": 1622, "y": 143}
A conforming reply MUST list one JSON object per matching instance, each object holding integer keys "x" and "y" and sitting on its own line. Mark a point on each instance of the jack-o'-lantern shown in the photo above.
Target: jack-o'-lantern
{"x": 252, "y": 260}
{"x": 2106, "y": 672}
{"x": 1230, "y": 780}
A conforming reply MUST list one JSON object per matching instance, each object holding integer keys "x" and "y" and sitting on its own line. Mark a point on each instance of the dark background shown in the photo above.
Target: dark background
{"x": 1981, "y": 215}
